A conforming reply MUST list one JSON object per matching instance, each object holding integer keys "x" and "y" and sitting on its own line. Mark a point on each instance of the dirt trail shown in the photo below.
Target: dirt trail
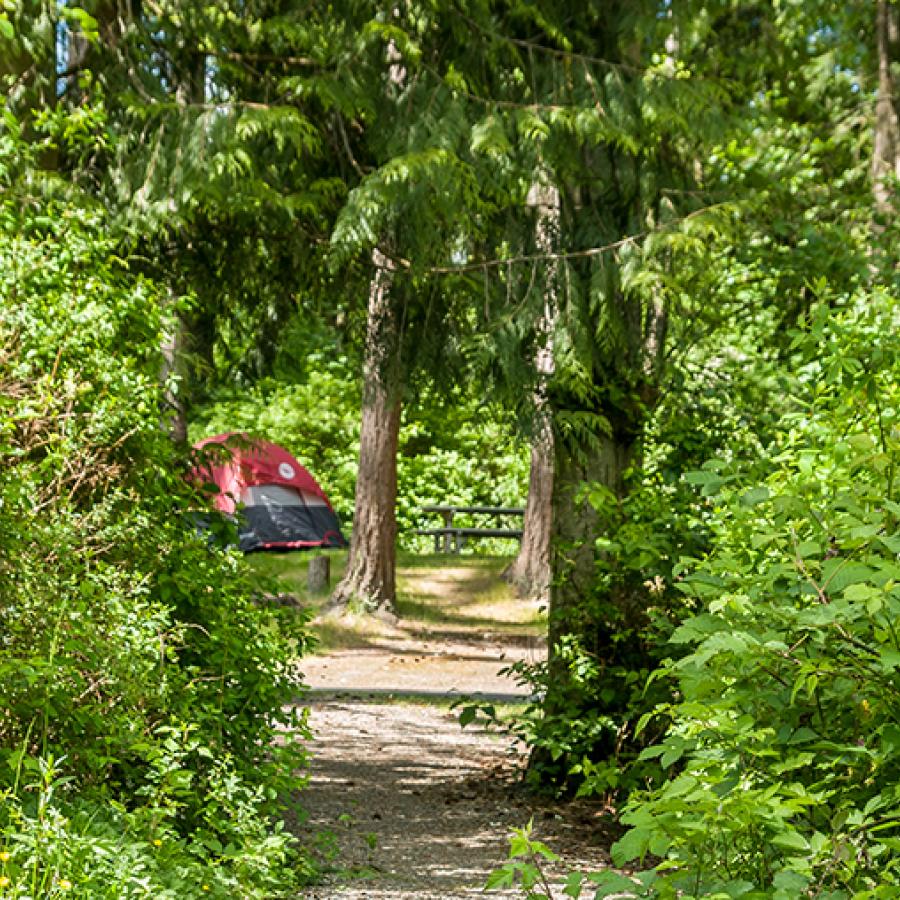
{"x": 413, "y": 806}
{"x": 403, "y": 803}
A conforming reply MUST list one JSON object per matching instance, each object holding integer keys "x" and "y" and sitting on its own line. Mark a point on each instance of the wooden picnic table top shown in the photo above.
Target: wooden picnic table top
{"x": 486, "y": 510}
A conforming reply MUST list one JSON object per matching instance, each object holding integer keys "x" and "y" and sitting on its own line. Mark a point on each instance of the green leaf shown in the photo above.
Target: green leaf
{"x": 838, "y": 574}
{"x": 792, "y": 882}
{"x": 632, "y": 846}
{"x": 755, "y": 496}
{"x": 610, "y": 882}
{"x": 86, "y": 23}
{"x": 790, "y": 840}
{"x": 861, "y": 593}
{"x": 489, "y": 137}
{"x": 573, "y": 885}
{"x": 501, "y": 878}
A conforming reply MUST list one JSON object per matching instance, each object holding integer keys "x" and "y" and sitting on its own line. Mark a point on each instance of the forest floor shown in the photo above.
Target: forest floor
{"x": 402, "y": 801}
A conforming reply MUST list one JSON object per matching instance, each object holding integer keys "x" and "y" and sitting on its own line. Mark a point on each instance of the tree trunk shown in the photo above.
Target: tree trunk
{"x": 173, "y": 375}
{"x": 530, "y": 571}
{"x": 581, "y": 616}
{"x": 576, "y": 527}
{"x": 318, "y": 576}
{"x": 190, "y": 89}
{"x": 369, "y": 580}
{"x": 886, "y": 151}
{"x": 595, "y": 609}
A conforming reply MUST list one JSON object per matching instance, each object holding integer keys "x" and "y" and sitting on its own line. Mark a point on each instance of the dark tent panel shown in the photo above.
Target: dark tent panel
{"x": 277, "y": 503}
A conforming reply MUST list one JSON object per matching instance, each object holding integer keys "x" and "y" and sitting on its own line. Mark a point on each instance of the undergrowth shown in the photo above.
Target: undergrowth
{"x": 148, "y": 740}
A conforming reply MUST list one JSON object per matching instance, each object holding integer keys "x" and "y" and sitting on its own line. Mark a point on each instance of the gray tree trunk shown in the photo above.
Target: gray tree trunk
{"x": 173, "y": 376}
{"x": 582, "y": 609}
{"x": 318, "y": 576}
{"x": 530, "y": 571}
{"x": 886, "y": 151}
{"x": 576, "y": 526}
{"x": 176, "y": 343}
{"x": 369, "y": 581}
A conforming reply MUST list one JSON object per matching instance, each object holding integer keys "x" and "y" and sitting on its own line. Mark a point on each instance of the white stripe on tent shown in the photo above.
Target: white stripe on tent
{"x": 279, "y": 495}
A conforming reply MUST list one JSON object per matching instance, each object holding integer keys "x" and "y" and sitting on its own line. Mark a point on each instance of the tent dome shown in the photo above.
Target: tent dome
{"x": 279, "y": 505}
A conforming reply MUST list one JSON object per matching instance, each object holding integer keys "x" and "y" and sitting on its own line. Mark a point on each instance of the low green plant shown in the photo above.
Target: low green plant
{"x": 784, "y": 749}
{"x": 55, "y": 843}
{"x": 586, "y": 741}
{"x": 528, "y": 870}
{"x": 526, "y": 867}
{"x": 583, "y": 726}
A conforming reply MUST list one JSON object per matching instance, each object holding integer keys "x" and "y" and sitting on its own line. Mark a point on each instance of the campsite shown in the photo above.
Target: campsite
{"x": 282, "y": 507}
{"x": 449, "y": 449}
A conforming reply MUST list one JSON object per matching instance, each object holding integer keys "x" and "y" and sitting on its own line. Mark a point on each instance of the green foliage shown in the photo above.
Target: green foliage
{"x": 317, "y": 420}
{"x": 457, "y": 451}
{"x": 142, "y": 687}
{"x": 257, "y": 153}
{"x": 783, "y": 751}
{"x": 590, "y": 742}
{"x": 56, "y": 841}
{"x": 525, "y": 869}
{"x": 587, "y": 740}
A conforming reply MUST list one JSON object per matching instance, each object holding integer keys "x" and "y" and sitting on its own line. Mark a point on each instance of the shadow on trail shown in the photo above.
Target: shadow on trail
{"x": 420, "y": 806}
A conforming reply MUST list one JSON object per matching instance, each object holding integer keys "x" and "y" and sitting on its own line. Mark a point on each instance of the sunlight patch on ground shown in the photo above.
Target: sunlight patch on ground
{"x": 450, "y": 598}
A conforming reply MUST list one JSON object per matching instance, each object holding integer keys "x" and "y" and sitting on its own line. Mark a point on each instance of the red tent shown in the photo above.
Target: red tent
{"x": 282, "y": 505}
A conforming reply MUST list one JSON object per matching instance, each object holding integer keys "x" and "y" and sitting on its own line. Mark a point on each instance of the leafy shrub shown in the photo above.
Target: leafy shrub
{"x": 58, "y": 842}
{"x": 729, "y": 398}
{"x": 141, "y": 687}
{"x": 784, "y": 750}
{"x": 586, "y": 740}
{"x": 463, "y": 453}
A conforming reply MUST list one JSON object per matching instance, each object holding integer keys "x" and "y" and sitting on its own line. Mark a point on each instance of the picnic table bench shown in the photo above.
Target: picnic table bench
{"x": 454, "y": 536}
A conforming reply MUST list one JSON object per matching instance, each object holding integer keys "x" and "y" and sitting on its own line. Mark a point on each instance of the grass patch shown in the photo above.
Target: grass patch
{"x": 347, "y": 632}
{"x": 436, "y": 594}
{"x": 290, "y": 569}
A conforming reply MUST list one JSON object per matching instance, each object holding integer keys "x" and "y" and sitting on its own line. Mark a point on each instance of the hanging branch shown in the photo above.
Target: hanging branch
{"x": 587, "y": 252}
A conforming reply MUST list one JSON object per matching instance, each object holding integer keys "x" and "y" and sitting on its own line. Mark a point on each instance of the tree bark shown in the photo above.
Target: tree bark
{"x": 886, "y": 151}
{"x": 595, "y": 612}
{"x": 580, "y": 613}
{"x": 576, "y": 526}
{"x": 318, "y": 576}
{"x": 530, "y": 571}
{"x": 176, "y": 343}
{"x": 173, "y": 375}
{"x": 369, "y": 581}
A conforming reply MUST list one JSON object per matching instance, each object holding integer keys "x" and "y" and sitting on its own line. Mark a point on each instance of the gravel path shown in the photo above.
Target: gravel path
{"x": 440, "y": 668}
{"x": 403, "y": 803}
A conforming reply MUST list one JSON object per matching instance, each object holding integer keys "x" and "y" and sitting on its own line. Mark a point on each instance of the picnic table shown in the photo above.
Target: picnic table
{"x": 453, "y": 536}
